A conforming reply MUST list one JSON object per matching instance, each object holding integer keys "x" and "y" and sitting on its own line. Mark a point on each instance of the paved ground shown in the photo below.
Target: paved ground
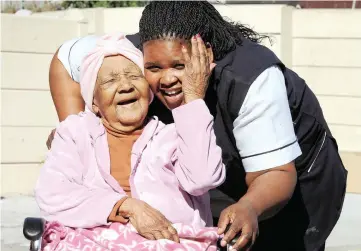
{"x": 345, "y": 237}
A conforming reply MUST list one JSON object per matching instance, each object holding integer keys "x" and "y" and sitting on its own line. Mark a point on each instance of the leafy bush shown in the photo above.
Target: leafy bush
{"x": 34, "y": 6}
{"x": 105, "y": 4}
{"x": 9, "y": 8}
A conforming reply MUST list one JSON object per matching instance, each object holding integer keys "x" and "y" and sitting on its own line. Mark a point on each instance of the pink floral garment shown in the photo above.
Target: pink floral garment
{"x": 122, "y": 237}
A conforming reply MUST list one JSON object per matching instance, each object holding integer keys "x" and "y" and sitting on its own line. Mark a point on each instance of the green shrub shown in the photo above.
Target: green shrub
{"x": 105, "y": 4}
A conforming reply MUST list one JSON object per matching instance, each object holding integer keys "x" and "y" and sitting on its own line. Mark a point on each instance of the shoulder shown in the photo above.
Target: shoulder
{"x": 70, "y": 126}
{"x": 267, "y": 90}
{"x": 271, "y": 78}
{"x": 266, "y": 111}
{"x": 161, "y": 132}
{"x": 247, "y": 62}
{"x": 77, "y": 126}
{"x": 268, "y": 85}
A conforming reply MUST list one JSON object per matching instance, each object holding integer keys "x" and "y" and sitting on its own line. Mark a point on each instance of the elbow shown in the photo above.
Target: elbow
{"x": 40, "y": 196}
{"x": 206, "y": 181}
{"x": 292, "y": 178}
{"x": 196, "y": 189}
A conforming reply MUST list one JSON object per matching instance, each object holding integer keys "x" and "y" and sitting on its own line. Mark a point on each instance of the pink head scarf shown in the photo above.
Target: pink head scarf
{"x": 108, "y": 45}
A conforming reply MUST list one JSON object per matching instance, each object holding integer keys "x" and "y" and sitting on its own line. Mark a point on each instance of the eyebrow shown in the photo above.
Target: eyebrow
{"x": 131, "y": 69}
{"x": 174, "y": 62}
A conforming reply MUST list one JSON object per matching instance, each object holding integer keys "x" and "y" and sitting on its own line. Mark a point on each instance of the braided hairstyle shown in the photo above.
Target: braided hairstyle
{"x": 183, "y": 19}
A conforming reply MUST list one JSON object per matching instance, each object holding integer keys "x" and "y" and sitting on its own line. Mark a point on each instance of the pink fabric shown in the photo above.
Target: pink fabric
{"x": 119, "y": 237}
{"x": 108, "y": 45}
{"x": 173, "y": 168}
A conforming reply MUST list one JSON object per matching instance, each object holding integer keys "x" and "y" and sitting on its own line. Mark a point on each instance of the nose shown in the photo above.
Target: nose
{"x": 168, "y": 79}
{"x": 125, "y": 87}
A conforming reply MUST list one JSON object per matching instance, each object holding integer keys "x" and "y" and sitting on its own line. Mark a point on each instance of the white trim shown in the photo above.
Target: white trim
{"x": 319, "y": 150}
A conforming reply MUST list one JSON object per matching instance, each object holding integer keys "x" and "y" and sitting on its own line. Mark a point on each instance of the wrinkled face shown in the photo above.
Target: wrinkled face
{"x": 164, "y": 66}
{"x": 121, "y": 95}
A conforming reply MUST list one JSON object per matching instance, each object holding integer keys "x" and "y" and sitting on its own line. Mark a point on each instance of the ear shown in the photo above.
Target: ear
{"x": 95, "y": 105}
{"x": 210, "y": 53}
{"x": 95, "y": 109}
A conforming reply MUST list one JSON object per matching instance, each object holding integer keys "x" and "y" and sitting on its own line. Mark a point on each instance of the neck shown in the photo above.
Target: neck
{"x": 122, "y": 132}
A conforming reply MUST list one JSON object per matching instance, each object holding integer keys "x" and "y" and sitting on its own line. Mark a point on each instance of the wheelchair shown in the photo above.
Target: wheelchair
{"x": 33, "y": 230}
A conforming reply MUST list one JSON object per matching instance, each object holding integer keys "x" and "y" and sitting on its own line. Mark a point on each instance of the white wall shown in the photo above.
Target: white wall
{"x": 323, "y": 46}
{"x": 327, "y": 54}
{"x": 28, "y": 114}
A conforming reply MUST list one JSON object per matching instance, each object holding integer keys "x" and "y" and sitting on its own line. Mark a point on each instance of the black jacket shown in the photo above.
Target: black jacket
{"x": 307, "y": 220}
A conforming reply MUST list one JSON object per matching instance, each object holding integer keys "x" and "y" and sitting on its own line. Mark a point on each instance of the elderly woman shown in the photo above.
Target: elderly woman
{"x": 112, "y": 164}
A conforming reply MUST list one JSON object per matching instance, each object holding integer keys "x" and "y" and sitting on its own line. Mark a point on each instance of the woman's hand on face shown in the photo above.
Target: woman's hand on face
{"x": 149, "y": 222}
{"x": 244, "y": 221}
{"x": 197, "y": 70}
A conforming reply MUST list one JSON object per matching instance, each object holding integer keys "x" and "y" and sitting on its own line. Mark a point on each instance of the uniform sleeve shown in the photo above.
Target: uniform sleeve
{"x": 264, "y": 129}
{"x": 72, "y": 52}
{"x": 64, "y": 54}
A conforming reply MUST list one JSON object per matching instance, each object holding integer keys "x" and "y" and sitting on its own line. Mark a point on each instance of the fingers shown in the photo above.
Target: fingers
{"x": 223, "y": 222}
{"x": 203, "y": 57}
{"x": 158, "y": 235}
{"x": 148, "y": 236}
{"x": 246, "y": 239}
{"x": 174, "y": 233}
{"x": 185, "y": 54}
{"x": 176, "y": 238}
{"x": 212, "y": 66}
{"x": 162, "y": 234}
{"x": 167, "y": 235}
{"x": 195, "y": 50}
{"x": 230, "y": 234}
{"x": 170, "y": 233}
{"x": 172, "y": 230}
{"x": 199, "y": 55}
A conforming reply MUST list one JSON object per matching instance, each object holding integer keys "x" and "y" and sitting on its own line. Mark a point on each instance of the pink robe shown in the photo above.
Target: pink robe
{"x": 172, "y": 169}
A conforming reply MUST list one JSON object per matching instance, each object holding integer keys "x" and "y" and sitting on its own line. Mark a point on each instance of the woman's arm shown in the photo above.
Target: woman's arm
{"x": 60, "y": 192}
{"x": 269, "y": 190}
{"x": 64, "y": 90}
{"x": 268, "y": 145}
{"x": 65, "y": 93}
{"x": 267, "y": 155}
{"x": 199, "y": 166}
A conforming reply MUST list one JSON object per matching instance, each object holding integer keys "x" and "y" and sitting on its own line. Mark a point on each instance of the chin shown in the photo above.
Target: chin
{"x": 171, "y": 105}
{"x": 133, "y": 116}
{"x": 131, "y": 120}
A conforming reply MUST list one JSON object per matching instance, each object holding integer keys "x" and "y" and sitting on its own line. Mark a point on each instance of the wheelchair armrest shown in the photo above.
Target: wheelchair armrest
{"x": 33, "y": 228}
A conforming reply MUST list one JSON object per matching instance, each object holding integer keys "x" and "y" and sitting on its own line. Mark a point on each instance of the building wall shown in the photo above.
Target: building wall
{"x": 323, "y": 46}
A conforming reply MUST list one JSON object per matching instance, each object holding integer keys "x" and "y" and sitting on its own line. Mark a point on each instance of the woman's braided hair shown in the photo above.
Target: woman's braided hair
{"x": 183, "y": 19}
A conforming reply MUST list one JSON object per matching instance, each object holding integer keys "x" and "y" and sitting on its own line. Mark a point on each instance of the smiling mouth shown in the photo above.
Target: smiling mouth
{"x": 171, "y": 93}
{"x": 127, "y": 102}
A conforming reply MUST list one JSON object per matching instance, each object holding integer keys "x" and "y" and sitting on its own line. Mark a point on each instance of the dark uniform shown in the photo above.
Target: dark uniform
{"x": 309, "y": 217}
